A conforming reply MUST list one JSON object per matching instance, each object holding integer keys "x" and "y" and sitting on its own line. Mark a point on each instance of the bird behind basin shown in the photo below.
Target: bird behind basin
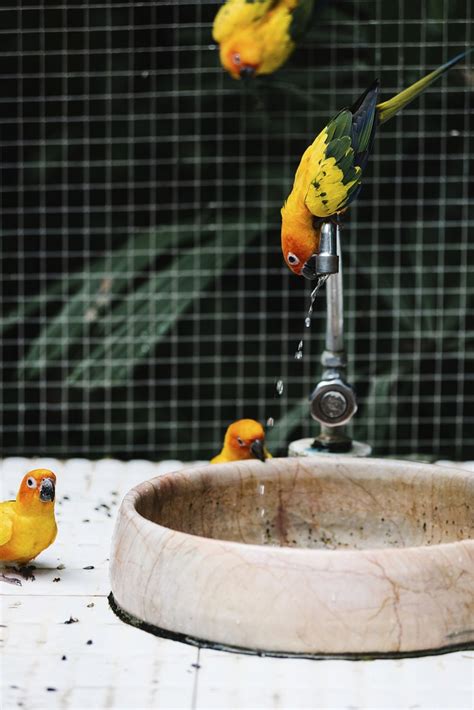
{"x": 257, "y": 36}
{"x": 27, "y": 524}
{"x": 244, "y": 440}
{"x": 329, "y": 176}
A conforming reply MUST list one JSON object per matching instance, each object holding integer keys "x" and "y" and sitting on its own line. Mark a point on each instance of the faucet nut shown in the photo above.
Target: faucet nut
{"x": 333, "y": 402}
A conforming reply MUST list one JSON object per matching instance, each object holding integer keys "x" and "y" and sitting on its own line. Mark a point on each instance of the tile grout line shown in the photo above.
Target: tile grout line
{"x": 196, "y": 681}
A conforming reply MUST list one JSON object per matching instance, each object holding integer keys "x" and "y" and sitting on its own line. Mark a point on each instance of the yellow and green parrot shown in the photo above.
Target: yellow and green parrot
{"x": 258, "y": 36}
{"x": 329, "y": 176}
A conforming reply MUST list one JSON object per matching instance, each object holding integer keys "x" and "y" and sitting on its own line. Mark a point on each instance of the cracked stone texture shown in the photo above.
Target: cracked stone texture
{"x": 333, "y": 555}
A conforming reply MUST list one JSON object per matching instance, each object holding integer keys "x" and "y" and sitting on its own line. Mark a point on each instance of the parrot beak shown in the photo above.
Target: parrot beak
{"x": 47, "y": 490}
{"x": 257, "y": 449}
{"x": 247, "y": 72}
{"x": 309, "y": 268}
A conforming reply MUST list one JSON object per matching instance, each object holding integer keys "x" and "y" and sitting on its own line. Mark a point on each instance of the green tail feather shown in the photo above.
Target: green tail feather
{"x": 389, "y": 108}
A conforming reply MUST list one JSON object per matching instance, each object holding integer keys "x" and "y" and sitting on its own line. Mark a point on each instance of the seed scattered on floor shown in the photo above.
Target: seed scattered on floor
{"x": 61, "y": 566}
{"x": 90, "y": 642}
{"x": 63, "y": 658}
{"x": 196, "y": 665}
{"x": 51, "y": 690}
{"x": 56, "y": 579}
{"x": 86, "y": 520}
{"x": 72, "y": 620}
{"x": 89, "y": 567}
{"x": 89, "y": 606}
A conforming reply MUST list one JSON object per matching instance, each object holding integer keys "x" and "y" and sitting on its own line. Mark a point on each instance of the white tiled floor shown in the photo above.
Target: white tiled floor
{"x": 125, "y": 668}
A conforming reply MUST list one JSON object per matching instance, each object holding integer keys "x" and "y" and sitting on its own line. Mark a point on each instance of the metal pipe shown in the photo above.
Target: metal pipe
{"x": 333, "y": 401}
{"x": 335, "y": 315}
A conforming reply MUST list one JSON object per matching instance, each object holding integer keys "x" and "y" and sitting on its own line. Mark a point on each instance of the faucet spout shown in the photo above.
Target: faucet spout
{"x": 327, "y": 260}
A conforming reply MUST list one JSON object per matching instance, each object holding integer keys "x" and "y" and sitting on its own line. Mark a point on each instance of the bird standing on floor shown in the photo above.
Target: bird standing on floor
{"x": 244, "y": 439}
{"x": 330, "y": 173}
{"x": 27, "y": 524}
{"x": 258, "y": 36}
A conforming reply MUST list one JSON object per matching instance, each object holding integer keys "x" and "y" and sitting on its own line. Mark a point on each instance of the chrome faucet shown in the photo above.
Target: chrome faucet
{"x": 333, "y": 401}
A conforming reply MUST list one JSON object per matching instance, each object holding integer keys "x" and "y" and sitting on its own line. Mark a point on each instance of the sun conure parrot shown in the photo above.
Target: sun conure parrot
{"x": 244, "y": 439}
{"x": 27, "y": 524}
{"x": 258, "y": 36}
{"x": 330, "y": 172}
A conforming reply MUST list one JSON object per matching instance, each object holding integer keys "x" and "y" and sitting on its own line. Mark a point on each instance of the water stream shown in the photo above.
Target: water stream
{"x": 307, "y": 321}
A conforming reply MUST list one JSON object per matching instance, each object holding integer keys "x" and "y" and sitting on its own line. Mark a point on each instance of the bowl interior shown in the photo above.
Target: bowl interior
{"x": 358, "y": 505}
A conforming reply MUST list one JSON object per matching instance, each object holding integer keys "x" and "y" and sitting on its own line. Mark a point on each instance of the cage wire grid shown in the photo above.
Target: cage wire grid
{"x": 145, "y": 301}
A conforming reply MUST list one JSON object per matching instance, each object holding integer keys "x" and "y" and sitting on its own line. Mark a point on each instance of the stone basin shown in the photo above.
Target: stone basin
{"x": 329, "y": 555}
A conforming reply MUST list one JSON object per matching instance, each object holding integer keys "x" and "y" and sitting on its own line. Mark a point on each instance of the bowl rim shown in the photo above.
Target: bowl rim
{"x": 224, "y": 470}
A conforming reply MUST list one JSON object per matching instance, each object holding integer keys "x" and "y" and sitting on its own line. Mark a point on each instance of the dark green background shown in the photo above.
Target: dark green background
{"x": 145, "y": 301}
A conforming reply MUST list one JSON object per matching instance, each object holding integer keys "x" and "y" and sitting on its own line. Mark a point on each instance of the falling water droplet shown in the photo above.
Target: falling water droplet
{"x": 299, "y": 352}
{"x": 270, "y": 421}
{"x": 280, "y": 387}
{"x": 262, "y": 489}
{"x": 307, "y": 321}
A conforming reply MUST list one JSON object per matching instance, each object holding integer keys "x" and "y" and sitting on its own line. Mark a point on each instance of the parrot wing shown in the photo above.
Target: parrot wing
{"x": 332, "y": 172}
{"x": 237, "y": 14}
{"x": 6, "y": 521}
{"x": 300, "y": 19}
{"x": 340, "y": 154}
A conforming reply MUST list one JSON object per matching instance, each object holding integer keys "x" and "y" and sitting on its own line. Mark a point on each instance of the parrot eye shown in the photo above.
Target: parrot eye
{"x": 30, "y": 482}
{"x": 236, "y": 58}
{"x": 292, "y": 259}
{"x": 240, "y": 442}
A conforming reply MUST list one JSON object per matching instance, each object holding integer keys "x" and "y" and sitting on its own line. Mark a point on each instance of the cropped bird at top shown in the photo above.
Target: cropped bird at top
{"x": 27, "y": 524}
{"x": 244, "y": 439}
{"x": 258, "y": 36}
{"x": 329, "y": 176}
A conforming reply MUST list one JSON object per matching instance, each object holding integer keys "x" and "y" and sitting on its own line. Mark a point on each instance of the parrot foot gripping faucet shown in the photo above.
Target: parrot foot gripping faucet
{"x": 333, "y": 402}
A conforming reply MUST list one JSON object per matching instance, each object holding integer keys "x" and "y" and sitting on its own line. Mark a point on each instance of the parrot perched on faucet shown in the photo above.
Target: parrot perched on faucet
{"x": 329, "y": 176}
{"x": 244, "y": 439}
{"x": 257, "y": 36}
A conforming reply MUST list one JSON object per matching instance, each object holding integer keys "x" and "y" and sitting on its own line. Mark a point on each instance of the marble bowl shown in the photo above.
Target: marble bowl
{"x": 330, "y": 555}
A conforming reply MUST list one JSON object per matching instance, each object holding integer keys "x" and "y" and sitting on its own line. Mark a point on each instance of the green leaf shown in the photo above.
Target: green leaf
{"x": 95, "y": 288}
{"x": 144, "y": 317}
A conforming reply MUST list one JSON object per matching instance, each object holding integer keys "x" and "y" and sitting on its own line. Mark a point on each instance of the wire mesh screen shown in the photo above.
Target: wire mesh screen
{"x": 145, "y": 300}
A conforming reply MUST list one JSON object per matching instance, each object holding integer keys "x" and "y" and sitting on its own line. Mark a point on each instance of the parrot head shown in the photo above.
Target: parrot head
{"x": 299, "y": 242}
{"x": 246, "y": 439}
{"x": 37, "y": 488}
{"x": 241, "y": 56}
